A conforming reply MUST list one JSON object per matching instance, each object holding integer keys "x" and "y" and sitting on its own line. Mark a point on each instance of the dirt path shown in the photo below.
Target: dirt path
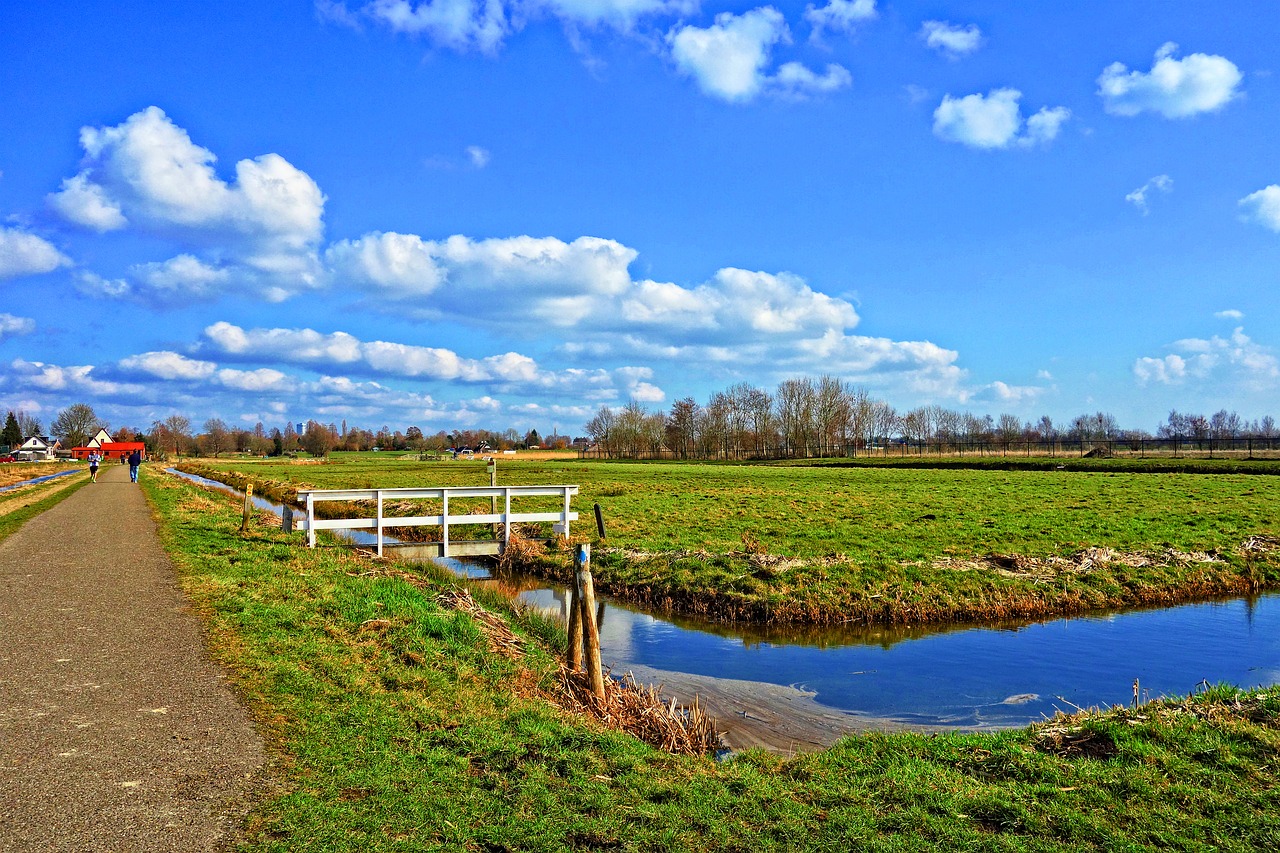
{"x": 116, "y": 733}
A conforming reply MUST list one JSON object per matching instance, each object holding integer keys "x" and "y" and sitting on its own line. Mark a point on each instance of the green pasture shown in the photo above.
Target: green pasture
{"x": 869, "y": 515}
{"x": 835, "y": 544}
{"x": 395, "y": 727}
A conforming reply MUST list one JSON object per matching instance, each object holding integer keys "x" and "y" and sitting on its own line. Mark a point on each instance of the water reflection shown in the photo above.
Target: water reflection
{"x": 1009, "y": 674}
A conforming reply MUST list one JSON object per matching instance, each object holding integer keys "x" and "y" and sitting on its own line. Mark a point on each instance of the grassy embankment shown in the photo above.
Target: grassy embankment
{"x": 26, "y": 502}
{"x": 396, "y": 726}
{"x": 882, "y": 544}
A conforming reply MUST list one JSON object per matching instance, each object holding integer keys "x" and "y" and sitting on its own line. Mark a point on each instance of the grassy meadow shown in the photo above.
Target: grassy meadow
{"x": 397, "y": 725}
{"x": 822, "y": 544}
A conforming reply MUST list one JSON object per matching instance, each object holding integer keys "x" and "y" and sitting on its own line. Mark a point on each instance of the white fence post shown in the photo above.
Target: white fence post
{"x": 379, "y": 522}
{"x": 444, "y": 524}
{"x": 311, "y": 522}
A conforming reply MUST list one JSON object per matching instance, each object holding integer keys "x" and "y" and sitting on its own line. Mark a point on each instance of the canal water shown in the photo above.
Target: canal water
{"x": 46, "y": 478}
{"x": 971, "y": 677}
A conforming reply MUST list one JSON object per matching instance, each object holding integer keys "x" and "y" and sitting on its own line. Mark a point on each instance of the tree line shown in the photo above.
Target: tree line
{"x": 826, "y": 416}
{"x": 802, "y": 417}
{"x": 175, "y": 436}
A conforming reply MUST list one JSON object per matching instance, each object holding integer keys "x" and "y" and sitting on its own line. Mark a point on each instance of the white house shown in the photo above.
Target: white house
{"x": 103, "y": 437}
{"x": 37, "y": 449}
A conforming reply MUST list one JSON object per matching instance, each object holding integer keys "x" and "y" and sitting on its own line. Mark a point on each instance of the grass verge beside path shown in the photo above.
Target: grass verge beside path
{"x": 827, "y": 544}
{"x": 397, "y": 728}
{"x": 16, "y": 508}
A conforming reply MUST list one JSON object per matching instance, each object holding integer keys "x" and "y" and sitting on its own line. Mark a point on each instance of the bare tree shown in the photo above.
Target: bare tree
{"x": 600, "y": 429}
{"x": 28, "y": 424}
{"x": 217, "y": 437}
{"x": 173, "y": 433}
{"x": 795, "y": 402}
{"x": 831, "y": 412}
{"x": 76, "y": 424}
{"x": 682, "y": 425}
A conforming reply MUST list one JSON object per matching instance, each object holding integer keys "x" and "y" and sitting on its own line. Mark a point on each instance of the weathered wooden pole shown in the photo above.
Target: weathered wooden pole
{"x": 600, "y": 522}
{"x": 590, "y": 631}
{"x": 573, "y": 658}
{"x": 248, "y": 507}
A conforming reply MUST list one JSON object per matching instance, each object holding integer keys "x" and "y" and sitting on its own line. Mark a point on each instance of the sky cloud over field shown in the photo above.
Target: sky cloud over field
{"x": 1173, "y": 88}
{"x": 839, "y": 16}
{"x": 501, "y": 210}
{"x": 730, "y": 59}
{"x": 994, "y": 121}
{"x": 951, "y": 40}
{"x": 11, "y": 325}
{"x": 146, "y": 174}
{"x": 1263, "y": 206}
{"x": 1234, "y": 361}
{"x": 1138, "y": 198}
{"x": 23, "y": 253}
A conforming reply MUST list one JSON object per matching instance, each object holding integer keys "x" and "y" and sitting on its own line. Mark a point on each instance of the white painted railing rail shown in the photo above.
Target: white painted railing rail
{"x": 380, "y": 522}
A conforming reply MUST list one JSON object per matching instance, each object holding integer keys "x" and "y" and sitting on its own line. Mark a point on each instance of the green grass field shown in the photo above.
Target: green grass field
{"x": 396, "y": 727}
{"x": 826, "y": 543}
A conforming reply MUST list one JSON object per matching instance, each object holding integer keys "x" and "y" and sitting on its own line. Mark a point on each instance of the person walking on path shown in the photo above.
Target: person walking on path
{"x": 116, "y": 731}
{"x": 94, "y": 458}
{"x": 135, "y": 459}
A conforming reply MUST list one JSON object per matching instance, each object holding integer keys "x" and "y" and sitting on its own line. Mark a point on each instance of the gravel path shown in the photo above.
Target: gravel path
{"x": 116, "y": 732}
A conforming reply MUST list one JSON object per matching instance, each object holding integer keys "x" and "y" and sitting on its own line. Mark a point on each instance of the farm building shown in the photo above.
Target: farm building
{"x": 109, "y": 449}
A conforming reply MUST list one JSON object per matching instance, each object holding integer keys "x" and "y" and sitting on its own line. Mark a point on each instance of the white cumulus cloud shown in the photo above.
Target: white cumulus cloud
{"x": 24, "y": 253}
{"x": 1138, "y": 198}
{"x": 1174, "y": 88}
{"x": 459, "y": 24}
{"x": 796, "y": 80}
{"x": 951, "y": 40}
{"x": 994, "y": 121}
{"x": 841, "y": 16}
{"x": 11, "y": 325}
{"x": 168, "y": 365}
{"x": 1237, "y": 360}
{"x": 729, "y": 58}
{"x": 87, "y": 204}
{"x": 147, "y": 174}
{"x": 310, "y": 348}
{"x": 1263, "y": 206}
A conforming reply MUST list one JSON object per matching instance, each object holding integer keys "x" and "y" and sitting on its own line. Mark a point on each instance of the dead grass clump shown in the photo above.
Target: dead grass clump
{"x": 628, "y": 707}
{"x": 1081, "y": 562}
{"x": 1068, "y": 740}
{"x": 640, "y": 711}
{"x": 1261, "y": 544}
{"x": 501, "y": 638}
{"x": 520, "y": 552}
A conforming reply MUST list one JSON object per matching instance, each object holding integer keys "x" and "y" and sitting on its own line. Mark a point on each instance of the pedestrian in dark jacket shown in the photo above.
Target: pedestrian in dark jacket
{"x": 135, "y": 459}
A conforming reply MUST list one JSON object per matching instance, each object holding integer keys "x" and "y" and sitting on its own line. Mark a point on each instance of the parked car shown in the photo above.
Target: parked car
{"x": 8, "y": 457}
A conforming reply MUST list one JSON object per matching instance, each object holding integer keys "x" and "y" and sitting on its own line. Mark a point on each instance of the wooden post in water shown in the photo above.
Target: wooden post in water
{"x": 590, "y": 631}
{"x": 573, "y": 658}
{"x": 248, "y": 507}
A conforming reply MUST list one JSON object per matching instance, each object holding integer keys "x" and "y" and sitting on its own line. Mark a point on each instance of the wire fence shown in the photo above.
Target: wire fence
{"x": 1134, "y": 448}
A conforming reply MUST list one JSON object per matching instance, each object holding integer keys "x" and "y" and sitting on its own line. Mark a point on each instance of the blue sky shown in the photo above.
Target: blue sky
{"x": 507, "y": 214}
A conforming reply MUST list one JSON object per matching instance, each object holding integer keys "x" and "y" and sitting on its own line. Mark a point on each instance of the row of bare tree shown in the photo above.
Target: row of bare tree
{"x": 808, "y": 417}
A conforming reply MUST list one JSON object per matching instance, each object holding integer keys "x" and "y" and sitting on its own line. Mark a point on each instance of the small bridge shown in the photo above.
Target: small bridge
{"x": 500, "y": 496}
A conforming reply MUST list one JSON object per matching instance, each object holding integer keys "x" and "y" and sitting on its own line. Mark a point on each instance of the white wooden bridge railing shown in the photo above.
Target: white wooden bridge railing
{"x": 380, "y": 522}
